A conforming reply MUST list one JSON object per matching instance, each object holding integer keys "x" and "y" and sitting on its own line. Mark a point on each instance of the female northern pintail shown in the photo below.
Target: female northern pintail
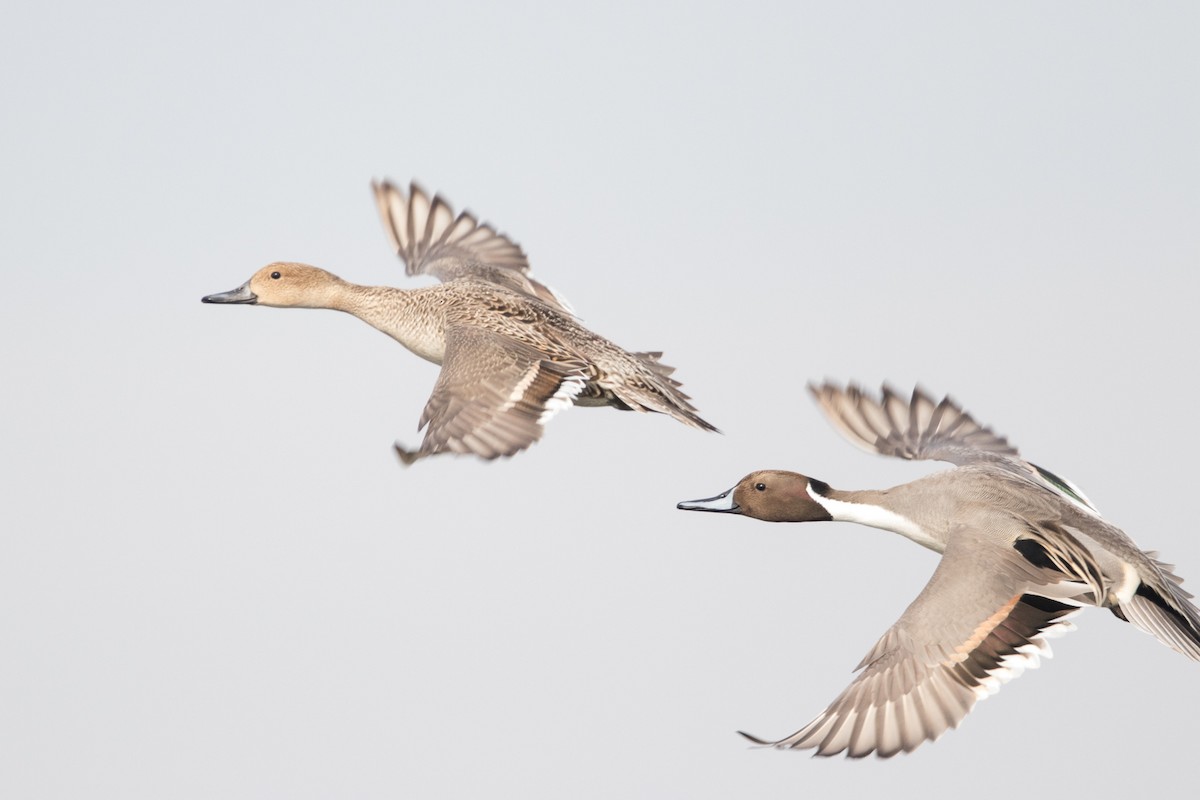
{"x": 1022, "y": 550}
{"x": 512, "y": 352}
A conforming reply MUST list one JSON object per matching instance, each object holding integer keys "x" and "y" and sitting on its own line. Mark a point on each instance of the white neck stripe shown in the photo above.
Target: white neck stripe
{"x": 876, "y": 517}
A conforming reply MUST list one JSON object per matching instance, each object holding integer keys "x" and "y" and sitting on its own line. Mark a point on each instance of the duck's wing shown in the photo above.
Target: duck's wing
{"x": 920, "y": 428}
{"x": 493, "y": 395}
{"x": 432, "y": 240}
{"x": 914, "y": 429}
{"x": 972, "y": 628}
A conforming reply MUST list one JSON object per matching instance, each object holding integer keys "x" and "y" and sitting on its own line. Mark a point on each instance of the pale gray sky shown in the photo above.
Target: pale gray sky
{"x": 217, "y": 581}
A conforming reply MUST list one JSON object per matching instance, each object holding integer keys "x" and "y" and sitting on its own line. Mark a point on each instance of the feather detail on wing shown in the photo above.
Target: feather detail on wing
{"x": 921, "y": 429}
{"x": 432, "y": 240}
{"x": 1057, "y": 548}
{"x": 972, "y": 628}
{"x": 917, "y": 429}
{"x": 493, "y": 396}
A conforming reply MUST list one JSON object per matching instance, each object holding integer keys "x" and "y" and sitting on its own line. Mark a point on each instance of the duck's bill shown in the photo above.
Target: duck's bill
{"x": 242, "y": 294}
{"x": 722, "y": 502}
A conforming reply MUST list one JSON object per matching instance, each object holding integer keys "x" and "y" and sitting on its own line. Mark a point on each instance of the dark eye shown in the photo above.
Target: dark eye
{"x": 274, "y": 276}
{"x": 761, "y": 487}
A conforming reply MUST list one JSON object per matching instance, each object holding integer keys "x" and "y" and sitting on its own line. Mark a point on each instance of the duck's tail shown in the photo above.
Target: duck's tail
{"x": 1165, "y": 612}
{"x": 655, "y": 390}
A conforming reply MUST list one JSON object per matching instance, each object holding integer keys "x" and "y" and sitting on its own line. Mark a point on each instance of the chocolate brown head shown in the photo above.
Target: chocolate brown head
{"x": 772, "y": 495}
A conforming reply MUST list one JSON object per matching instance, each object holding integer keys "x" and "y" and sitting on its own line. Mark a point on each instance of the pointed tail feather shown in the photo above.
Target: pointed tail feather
{"x": 1174, "y": 622}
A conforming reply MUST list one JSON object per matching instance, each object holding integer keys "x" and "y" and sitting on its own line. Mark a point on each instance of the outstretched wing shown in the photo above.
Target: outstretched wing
{"x": 973, "y": 627}
{"x": 493, "y": 396}
{"x": 920, "y": 429}
{"x": 432, "y": 240}
{"x": 917, "y": 429}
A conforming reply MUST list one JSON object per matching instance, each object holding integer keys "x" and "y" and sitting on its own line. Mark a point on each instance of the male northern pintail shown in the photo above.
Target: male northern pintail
{"x": 512, "y": 352}
{"x": 1022, "y": 549}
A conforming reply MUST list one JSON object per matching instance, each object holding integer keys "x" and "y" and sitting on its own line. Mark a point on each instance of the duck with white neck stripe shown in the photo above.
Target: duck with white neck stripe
{"x": 1022, "y": 551}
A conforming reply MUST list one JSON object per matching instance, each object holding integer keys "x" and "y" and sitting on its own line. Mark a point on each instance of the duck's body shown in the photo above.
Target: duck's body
{"x": 512, "y": 351}
{"x": 1022, "y": 550}
{"x": 983, "y": 497}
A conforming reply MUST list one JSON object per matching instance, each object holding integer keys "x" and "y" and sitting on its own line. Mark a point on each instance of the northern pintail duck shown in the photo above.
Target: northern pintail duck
{"x": 1022, "y": 549}
{"x": 512, "y": 352}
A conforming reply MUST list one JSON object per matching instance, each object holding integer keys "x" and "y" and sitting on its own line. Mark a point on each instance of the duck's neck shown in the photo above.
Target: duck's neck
{"x": 410, "y": 316}
{"x": 876, "y": 508}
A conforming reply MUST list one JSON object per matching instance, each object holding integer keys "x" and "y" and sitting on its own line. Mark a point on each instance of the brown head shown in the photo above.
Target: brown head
{"x": 771, "y": 494}
{"x": 284, "y": 285}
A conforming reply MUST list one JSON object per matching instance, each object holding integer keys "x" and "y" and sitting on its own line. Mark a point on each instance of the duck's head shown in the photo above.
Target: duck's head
{"x": 283, "y": 285}
{"x": 770, "y": 494}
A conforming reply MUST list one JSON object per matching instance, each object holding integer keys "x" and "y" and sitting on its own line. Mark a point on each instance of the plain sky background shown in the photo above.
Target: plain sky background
{"x": 216, "y": 580}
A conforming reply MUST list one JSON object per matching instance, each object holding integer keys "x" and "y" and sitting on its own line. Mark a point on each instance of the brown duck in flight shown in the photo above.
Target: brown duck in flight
{"x": 512, "y": 352}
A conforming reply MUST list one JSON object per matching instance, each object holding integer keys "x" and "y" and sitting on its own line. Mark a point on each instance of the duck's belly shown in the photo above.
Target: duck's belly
{"x": 429, "y": 349}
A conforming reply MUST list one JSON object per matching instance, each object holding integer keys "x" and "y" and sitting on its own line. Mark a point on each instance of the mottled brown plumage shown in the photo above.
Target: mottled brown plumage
{"x": 512, "y": 352}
